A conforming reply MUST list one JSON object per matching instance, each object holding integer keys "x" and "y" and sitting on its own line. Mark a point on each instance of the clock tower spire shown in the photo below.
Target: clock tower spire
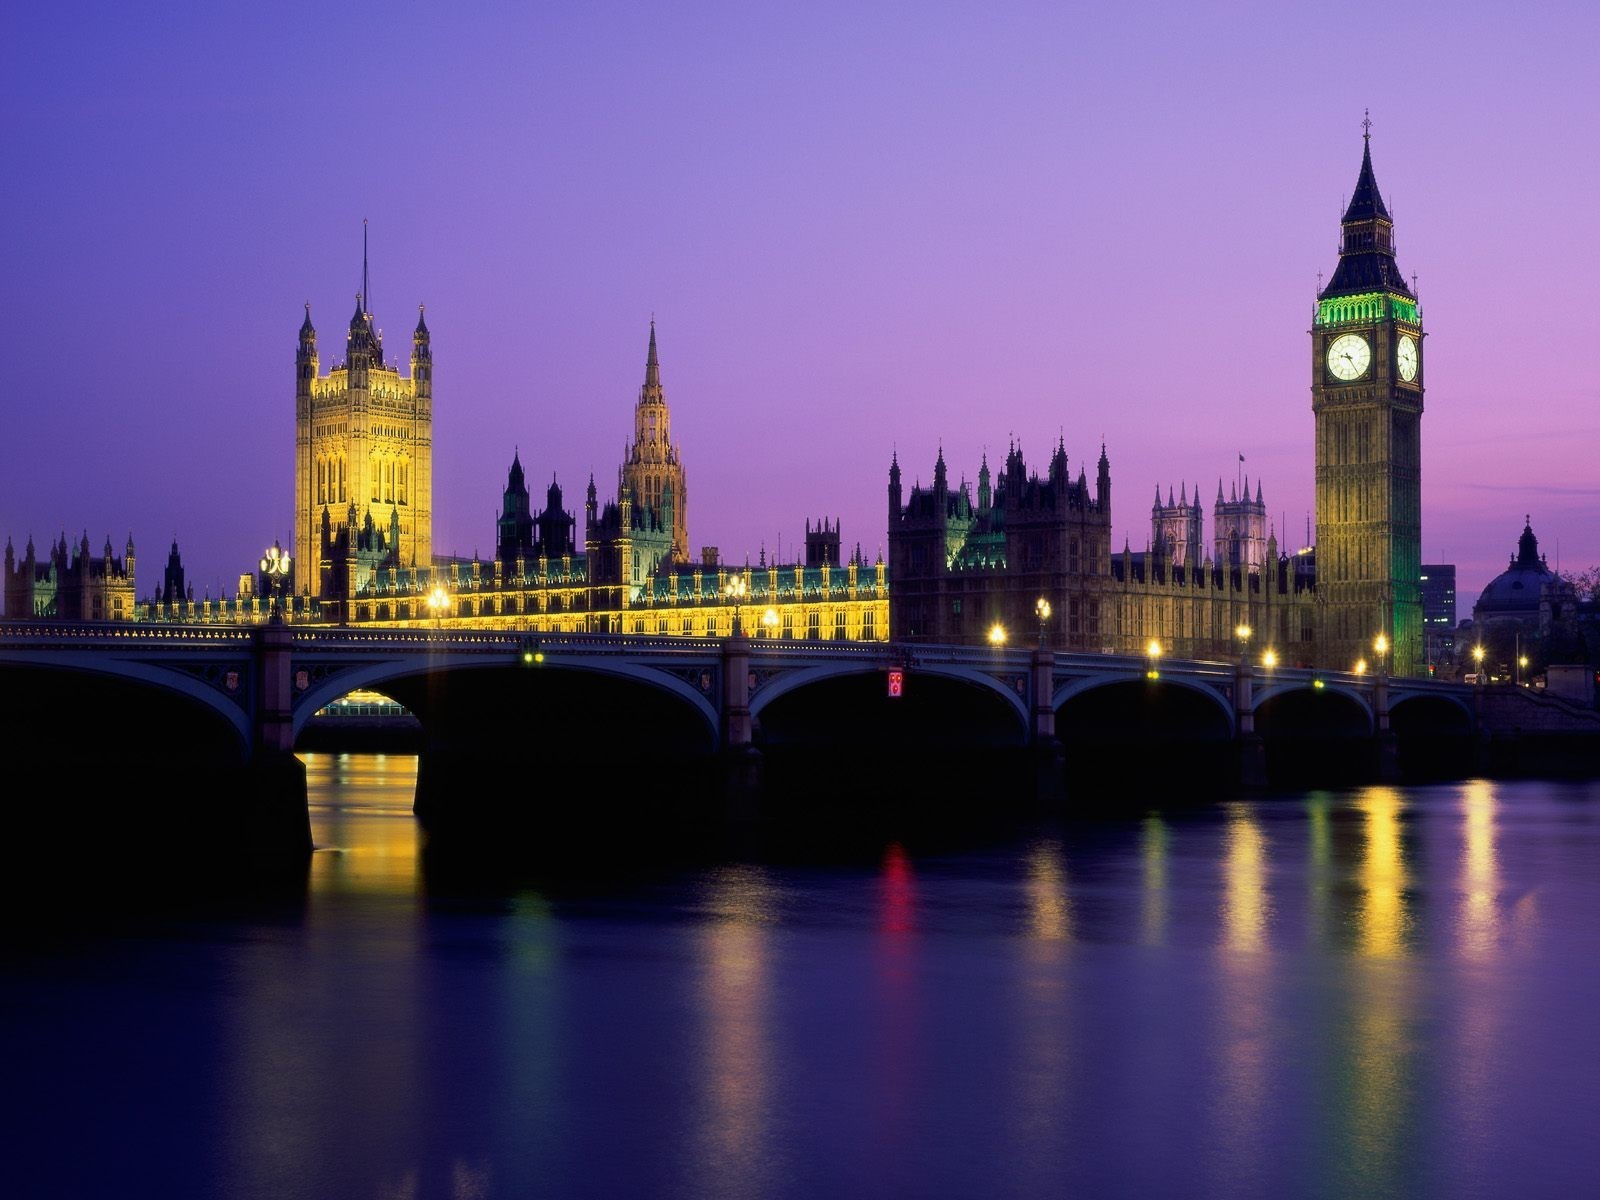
{"x": 1366, "y": 394}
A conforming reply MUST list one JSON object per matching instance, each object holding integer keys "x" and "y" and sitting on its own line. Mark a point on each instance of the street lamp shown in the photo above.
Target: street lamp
{"x": 437, "y": 603}
{"x": 1042, "y": 608}
{"x": 1153, "y": 652}
{"x": 275, "y": 565}
{"x": 769, "y": 622}
{"x": 997, "y": 634}
{"x": 1269, "y": 659}
{"x": 1522, "y": 665}
{"x": 736, "y": 589}
{"x": 1381, "y": 645}
{"x": 1477, "y": 662}
{"x": 1361, "y": 666}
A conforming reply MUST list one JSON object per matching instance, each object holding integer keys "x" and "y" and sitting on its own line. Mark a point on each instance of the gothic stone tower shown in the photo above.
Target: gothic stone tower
{"x": 363, "y": 437}
{"x": 1366, "y": 393}
{"x": 652, "y": 474}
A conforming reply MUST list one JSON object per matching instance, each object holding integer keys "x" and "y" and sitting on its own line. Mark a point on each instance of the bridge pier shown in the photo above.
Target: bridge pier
{"x": 1049, "y": 755}
{"x": 1387, "y": 749}
{"x": 277, "y": 817}
{"x": 1252, "y": 750}
{"x": 741, "y": 760}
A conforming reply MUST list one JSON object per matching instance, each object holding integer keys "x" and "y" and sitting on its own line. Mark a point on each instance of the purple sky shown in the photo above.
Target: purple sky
{"x": 889, "y": 224}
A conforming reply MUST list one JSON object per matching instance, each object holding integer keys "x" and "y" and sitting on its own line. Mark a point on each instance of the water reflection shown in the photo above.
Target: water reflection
{"x": 1246, "y": 906}
{"x": 1244, "y": 1063}
{"x": 1480, "y": 916}
{"x": 1041, "y": 1062}
{"x": 736, "y": 1156}
{"x": 1378, "y": 1072}
{"x": 898, "y": 1036}
{"x": 1049, "y": 905}
{"x": 1382, "y": 920}
{"x": 362, "y": 824}
{"x": 1153, "y": 850}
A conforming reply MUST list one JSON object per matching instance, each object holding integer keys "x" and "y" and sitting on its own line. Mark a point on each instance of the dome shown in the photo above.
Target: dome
{"x": 1515, "y": 591}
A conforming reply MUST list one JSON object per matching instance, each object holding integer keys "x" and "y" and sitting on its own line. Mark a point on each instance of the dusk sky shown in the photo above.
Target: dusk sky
{"x": 858, "y": 227}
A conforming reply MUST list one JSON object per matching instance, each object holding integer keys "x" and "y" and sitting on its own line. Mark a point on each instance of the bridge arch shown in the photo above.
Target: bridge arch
{"x": 191, "y": 687}
{"x": 1276, "y": 691}
{"x": 1087, "y": 684}
{"x": 379, "y": 676}
{"x": 804, "y": 677}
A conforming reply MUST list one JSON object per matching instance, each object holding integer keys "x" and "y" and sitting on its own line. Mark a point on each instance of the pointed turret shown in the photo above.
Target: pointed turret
{"x": 1366, "y": 202}
{"x": 1527, "y": 546}
{"x": 895, "y": 494}
{"x": 1366, "y": 247}
{"x": 652, "y": 366}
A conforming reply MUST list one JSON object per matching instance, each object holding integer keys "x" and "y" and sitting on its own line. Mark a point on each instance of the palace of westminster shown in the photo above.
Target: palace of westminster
{"x": 961, "y": 565}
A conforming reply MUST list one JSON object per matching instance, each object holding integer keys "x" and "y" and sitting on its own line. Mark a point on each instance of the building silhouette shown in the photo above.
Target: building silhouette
{"x": 70, "y": 583}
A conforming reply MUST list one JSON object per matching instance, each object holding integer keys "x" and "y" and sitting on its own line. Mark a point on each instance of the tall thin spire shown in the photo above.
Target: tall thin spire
{"x": 652, "y": 367}
{"x": 366, "y": 288}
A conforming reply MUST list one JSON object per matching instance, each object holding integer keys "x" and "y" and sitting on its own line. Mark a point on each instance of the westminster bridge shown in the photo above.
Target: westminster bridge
{"x": 133, "y": 706}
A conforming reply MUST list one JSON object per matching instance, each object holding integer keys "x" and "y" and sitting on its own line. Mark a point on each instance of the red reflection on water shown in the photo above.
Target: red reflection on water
{"x": 897, "y": 907}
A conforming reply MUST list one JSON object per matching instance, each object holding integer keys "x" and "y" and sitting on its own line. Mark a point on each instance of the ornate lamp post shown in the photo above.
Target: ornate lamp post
{"x": 769, "y": 623}
{"x": 997, "y": 634}
{"x": 1270, "y": 658}
{"x": 735, "y": 590}
{"x": 1477, "y": 662}
{"x": 437, "y": 603}
{"x": 1153, "y": 653}
{"x": 1042, "y": 608}
{"x": 275, "y": 565}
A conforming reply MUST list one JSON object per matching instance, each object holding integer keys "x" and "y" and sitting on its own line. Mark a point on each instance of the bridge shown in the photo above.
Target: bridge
{"x": 552, "y": 711}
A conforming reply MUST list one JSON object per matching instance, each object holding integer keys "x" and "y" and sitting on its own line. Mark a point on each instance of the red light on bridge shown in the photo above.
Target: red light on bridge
{"x": 897, "y": 682}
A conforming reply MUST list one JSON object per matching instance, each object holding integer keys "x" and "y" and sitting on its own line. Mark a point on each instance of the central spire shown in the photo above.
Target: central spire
{"x": 1366, "y": 247}
{"x": 652, "y": 368}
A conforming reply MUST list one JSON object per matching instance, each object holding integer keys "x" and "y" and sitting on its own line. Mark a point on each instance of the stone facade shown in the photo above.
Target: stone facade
{"x": 363, "y": 443}
{"x": 71, "y": 583}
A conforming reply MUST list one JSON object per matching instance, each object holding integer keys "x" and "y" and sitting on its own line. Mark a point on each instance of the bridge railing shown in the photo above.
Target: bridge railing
{"x": 19, "y": 633}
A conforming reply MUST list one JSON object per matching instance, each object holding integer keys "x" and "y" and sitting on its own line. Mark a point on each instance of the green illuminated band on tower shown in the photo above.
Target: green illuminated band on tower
{"x": 1368, "y": 306}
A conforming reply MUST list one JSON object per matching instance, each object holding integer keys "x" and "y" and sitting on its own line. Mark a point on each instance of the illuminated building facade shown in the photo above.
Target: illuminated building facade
{"x": 363, "y": 445}
{"x": 1366, "y": 394}
{"x": 651, "y": 478}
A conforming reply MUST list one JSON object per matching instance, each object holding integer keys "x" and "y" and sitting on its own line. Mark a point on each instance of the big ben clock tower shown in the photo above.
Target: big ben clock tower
{"x": 1366, "y": 393}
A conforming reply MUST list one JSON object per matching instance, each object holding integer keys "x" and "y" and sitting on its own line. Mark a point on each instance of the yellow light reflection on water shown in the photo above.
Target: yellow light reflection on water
{"x": 1246, "y": 904}
{"x": 362, "y": 824}
{"x": 1049, "y": 909}
{"x": 1382, "y": 921}
{"x": 1480, "y": 916}
{"x": 1153, "y": 849}
{"x": 736, "y": 1084}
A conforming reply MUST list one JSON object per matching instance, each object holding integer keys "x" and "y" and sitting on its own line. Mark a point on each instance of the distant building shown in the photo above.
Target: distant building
{"x": 1528, "y": 610}
{"x": 71, "y": 584}
{"x": 961, "y": 566}
{"x": 1439, "y": 612}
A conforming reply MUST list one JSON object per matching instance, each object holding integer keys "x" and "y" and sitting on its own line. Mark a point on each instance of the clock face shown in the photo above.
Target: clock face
{"x": 1349, "y": 356}
{"x": 1406, "y": 357}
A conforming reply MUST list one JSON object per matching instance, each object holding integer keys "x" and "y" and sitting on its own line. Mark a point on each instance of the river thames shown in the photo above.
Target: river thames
{"x": 1374, "y": 992}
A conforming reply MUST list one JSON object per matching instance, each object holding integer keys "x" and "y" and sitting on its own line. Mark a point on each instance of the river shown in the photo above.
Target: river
{"x": 1375, "y": 992}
